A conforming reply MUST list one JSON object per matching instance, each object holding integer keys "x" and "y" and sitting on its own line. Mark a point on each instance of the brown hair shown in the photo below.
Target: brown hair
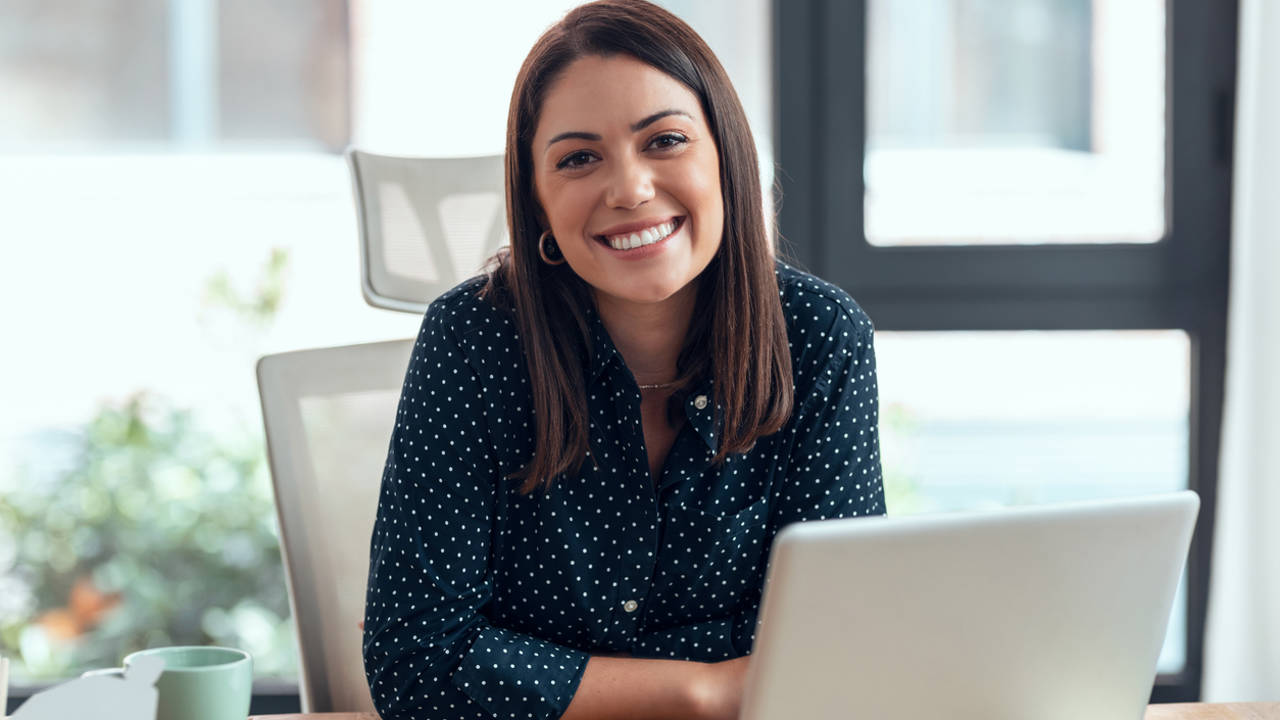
{"x": 738, "y": 334}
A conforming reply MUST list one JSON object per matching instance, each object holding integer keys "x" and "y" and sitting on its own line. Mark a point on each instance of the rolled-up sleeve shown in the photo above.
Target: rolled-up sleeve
{"x": 835, "y": 463}
{"x": 428, "y": 649}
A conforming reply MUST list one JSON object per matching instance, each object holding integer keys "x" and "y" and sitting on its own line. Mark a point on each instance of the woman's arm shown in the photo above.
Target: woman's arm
{"x": 616, "y": 687}
{"x": 429, "y": 651}
{"x": 834, "y": 470}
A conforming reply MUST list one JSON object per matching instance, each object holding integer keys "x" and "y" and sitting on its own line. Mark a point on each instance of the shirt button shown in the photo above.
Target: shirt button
{"x": 630, "y": 605}
{"x": 700, "y": 402}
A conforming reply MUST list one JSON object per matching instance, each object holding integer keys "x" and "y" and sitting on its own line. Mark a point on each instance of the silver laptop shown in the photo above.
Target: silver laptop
{"x": 1045, "y": 612}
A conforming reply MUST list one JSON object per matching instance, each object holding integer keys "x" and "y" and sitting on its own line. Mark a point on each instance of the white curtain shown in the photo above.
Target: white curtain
{"x": 1242, "y": 643}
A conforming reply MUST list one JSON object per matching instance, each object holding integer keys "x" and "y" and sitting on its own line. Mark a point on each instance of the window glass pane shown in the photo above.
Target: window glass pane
{"x": 282, "y": 71}
{"x": 1014, "y": 418}
{"x": 76, "y": 71}
{"x": 86, "y": 75}
{"x": 1015, "y": 121}
{"x": 400, "y": 101}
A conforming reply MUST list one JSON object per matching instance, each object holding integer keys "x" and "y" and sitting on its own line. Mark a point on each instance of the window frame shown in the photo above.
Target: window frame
{"x": 1178, "y": 282}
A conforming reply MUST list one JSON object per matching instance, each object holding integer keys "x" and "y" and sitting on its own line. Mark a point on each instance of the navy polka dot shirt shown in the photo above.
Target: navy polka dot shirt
{"x": 483, "y": 603}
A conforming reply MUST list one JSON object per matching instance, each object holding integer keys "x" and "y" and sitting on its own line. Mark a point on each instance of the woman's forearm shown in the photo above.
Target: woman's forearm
{"x": 623, "y": 688}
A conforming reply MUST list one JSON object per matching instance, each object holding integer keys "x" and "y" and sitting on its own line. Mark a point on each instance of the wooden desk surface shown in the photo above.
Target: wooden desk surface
{"x": 1183, "y": 711}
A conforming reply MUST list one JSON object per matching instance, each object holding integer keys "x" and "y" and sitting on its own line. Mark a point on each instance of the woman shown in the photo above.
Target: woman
{"x": 597, "y": 442}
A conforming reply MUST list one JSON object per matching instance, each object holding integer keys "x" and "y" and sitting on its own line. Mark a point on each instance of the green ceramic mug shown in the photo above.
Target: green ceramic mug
{"x": 199, "y": 682}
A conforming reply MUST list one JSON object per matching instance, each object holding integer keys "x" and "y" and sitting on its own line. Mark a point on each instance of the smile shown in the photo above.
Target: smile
{"x": 641, "y": 238}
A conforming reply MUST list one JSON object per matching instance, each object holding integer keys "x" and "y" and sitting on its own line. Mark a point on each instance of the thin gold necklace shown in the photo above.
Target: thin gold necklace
{"x": 659, "y": 386}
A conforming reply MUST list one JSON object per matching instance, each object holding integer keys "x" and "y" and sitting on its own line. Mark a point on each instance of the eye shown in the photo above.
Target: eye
{"x": 572, "y": 161}
{"x": 666, "y": 141}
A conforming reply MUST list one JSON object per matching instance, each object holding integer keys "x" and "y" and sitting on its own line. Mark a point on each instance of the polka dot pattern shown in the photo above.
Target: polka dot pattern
{"x": 483, "y": 603}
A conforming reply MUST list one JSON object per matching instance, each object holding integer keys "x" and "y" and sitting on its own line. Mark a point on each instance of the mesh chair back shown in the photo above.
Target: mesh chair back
{"x": 426, "y": 224}
{"x": 328, "y": 415}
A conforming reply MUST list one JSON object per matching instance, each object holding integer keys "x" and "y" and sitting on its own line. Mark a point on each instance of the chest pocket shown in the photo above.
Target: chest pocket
{"x": 713, "y": 558}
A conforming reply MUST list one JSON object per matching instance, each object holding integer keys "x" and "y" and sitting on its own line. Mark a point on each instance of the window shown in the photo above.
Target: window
{"x": 164, "y": 74}
{"x": 1033, "y": 122}
{"x": 1021, "y": 417}
{"x": 1039, "y": 193}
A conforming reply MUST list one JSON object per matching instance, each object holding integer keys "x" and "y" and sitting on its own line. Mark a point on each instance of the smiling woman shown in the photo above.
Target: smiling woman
{"x": 636, "y": 209}
{"x": 622, "y": 119}
{"x": 598, "y": 440}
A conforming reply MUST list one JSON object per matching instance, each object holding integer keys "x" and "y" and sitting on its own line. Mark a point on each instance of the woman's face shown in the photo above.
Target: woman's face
{"x": 628, "y": 176}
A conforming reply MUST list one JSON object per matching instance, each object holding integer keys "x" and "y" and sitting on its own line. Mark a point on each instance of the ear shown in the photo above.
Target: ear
{"x": 145, "y": 669}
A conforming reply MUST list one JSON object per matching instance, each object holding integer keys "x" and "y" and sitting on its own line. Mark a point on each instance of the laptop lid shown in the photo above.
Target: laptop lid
{"x": 1055, "y": 611}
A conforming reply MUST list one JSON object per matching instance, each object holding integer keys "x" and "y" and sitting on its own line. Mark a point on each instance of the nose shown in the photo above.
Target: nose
{"x": 630, "y": 185}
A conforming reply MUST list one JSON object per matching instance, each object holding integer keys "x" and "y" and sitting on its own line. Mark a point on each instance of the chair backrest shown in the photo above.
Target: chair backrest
{"x": 328, "y": 415}
{"x": 426, "y": 224}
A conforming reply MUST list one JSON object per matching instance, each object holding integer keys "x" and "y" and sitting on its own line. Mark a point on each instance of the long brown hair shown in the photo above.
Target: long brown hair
{"x": 738, "y": 335}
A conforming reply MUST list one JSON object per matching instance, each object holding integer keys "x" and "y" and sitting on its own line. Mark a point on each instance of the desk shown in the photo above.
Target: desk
{"x": 1182, "y": 711}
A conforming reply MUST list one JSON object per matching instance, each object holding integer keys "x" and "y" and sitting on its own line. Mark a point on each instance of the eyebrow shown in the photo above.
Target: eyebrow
{"x": 635, "y": 127}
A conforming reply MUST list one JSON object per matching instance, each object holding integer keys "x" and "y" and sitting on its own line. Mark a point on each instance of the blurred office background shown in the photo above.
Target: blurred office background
{"x": 175, "y": 205}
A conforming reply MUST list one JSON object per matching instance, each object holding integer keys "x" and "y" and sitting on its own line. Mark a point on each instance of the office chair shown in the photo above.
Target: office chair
{"x": 426, "y": 224}
{"x": 328, "y": 415}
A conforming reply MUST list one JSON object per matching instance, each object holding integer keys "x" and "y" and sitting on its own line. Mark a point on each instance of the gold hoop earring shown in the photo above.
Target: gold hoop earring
{"x": 550, "y": 254}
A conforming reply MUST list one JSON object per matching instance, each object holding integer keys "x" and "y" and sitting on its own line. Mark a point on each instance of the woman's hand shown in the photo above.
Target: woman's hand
{"x": 718, "y": 690}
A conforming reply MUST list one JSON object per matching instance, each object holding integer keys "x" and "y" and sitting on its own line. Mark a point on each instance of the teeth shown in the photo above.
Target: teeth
{"x": 648, "y": 236}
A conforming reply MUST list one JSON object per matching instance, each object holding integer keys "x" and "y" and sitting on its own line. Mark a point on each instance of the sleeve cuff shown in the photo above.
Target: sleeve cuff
{"x": 512, "y": 674}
